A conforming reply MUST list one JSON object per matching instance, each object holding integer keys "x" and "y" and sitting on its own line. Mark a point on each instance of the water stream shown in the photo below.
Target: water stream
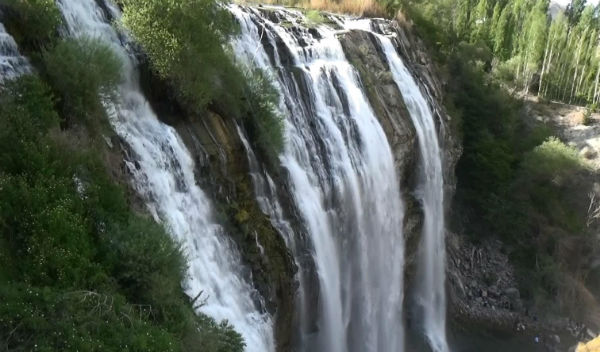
{"x": 431, "y": 295}
{"x": 342, "y": 179}
{"x": 163, "y": 174}
{"x": 12, "y": 63}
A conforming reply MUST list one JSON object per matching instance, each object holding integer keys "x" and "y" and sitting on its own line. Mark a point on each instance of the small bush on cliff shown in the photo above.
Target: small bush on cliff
{"x": 34, "y": 23}
{"x": 184, "y": 41}
{"x": 266, "y": 124}
{"x": 186, "y": 44}
{"x": 78, "y": 269}
{"x": 83, "y": 72}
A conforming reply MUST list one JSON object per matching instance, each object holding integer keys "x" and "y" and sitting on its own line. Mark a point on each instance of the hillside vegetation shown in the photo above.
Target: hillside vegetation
{"x": 79, "y": 269}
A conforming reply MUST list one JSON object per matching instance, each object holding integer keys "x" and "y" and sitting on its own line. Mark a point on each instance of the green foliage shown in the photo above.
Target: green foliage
{"x": 508, "y": 187}
{"x": 561, "y": 51}
{"x": 46, "y": 319}
{"x": 574, "y": 10}
{"x": 587, "y": 115}
{"x": 266, "y": 124}
{"x": 83, "y": 72}
{"x": 505, "y": 71}
{"x": 490, "y": 126}
{"x": 78, "y": 269}
{"x": 34, "y": 23}
{"x": 184, "y": 40}
{"x": 147, "y": 279}
{"x": 32, "y": 115}
{"x": 546, "y": 190}
{"x": 185, "y": 43}
{"x": 552, "y": 160}
{"x": 314, "y": 17}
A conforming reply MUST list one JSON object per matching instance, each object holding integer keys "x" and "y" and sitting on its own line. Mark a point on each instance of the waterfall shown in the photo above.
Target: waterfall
{"x": 12, "y": 63}
{"x": 431, "y": 293}
{"x": 163, "y": 174}
{"x": 338, "y": 168}
{"x": 341, "y": 175}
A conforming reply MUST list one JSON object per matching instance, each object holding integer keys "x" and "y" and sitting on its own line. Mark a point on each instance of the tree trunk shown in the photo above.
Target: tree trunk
{"x": 576, "y": 68}
{"x": 595, "y": 98}
{"x": 544, "y": 65}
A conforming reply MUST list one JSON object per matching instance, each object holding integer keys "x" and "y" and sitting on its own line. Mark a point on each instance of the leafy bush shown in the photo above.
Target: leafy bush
{"x": 552, "y": 160}
{"x": 587, "y": 116}
{"x": 266, "y": 124}
{"x": 148, "y": 279}
{"x": 314, "y": 17}
{"x": 505, "y": 71}
{"x": 34, "y": 23}
{"x": 546, "y": 178}
{"x": 47, "y": 319}
{"x": 83, "y": 71}
{"x": 27, "y": 108}
{"x": 490, "y": 123}
{"x": 184, "y": 41}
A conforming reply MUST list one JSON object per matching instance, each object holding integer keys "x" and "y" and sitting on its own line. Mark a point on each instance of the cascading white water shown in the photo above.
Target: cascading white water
{"x": 432, "y": 256}
{"x": 12, "y": 63}
{"x": 342, "y": 179}
{"x": 163, "y": 175}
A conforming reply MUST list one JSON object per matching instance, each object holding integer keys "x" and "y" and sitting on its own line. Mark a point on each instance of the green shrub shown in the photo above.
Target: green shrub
{"x": 265, "y": 123}
{"x": 547, "y": 178}
{"x": 314, "y": 18}
{"x": 84, "y": 72}
{"x": 505, "y": 71}
{"x": 490, "y": 126}
{"x": 552, "y": 160}
{"x": 184, "y": 41}
{"x": 27, "y": 111}
{"x": 46, "y": 319}
{"x": 587, "y": 116}
{"x": 34, "y": 23}
{"x": 147, "y": 278}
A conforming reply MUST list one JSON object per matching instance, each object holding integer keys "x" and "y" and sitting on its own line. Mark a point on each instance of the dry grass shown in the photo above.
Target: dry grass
{"x": 367, "y": 8}
{"x": 403, "y": 20}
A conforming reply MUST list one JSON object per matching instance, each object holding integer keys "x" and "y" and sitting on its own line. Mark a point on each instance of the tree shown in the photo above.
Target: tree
{"x": 574, "y": 11}
{"x": 503, "y": 33}
{"x": 462, "y": 22}
{"x": 480, "y": 22}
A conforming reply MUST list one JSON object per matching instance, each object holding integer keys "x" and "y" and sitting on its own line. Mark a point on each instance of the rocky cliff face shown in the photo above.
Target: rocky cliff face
{"x": 391, "y": 111}
{"x": 222, "y": 170}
